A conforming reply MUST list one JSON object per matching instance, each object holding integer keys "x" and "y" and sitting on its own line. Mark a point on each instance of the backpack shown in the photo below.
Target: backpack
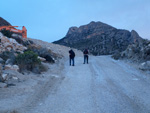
{"x": 85, "y": 51}
{"x": 72, "y": 54}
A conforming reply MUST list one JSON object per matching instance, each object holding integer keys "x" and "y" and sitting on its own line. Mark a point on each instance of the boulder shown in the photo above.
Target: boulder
{"x": 8, "y": 66}
{"x": 8, "y": 61}
{"x": 3, "y": 85}
{"x": 145, "y": 65}
{"x": 12, "y": 77}
{"x": 1, "y": 61}
{"x": 41, "y": 58}
{"x": 1, "y": 35}
{"x": 15, "y": 67}
{"x": 13, "y": 41}
{"x": 4, "y": 76}
{"x": 4, "y": 40}
{"x": 11, "y": 67}
{"x": 12, "y": 80}
{"x": 11, "y": 74}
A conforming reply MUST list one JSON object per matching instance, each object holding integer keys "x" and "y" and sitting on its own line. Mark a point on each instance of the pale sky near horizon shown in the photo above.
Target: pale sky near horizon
{"x": 49, "y": 20}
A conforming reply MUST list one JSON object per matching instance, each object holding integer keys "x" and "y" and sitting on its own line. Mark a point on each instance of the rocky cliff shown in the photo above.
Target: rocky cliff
{"x": 3, "y": 22}
{"x": 99, "y": 38}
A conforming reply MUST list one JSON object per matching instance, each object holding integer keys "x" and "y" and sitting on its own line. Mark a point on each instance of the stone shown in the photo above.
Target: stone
{"x": 15, "y": 78}
{"x": 13, "y": 41}
{"x": 4, "y": 40}
{"x": 12, "y": 80}
{"x": 41, "y": 58}
{"x": 1, "y": 61}
{"x": 8, "y": 66}
{"x": 12, "y": 67}
{"x": 3, "y": 85}
{"x": 8, "y": 61}
{"x": 4, "y": 76}
{"x": 15, "y": 67}
{"x": 14, "y": 75}
{"x": 1, "y": 35}
{"x": 145, "y": 65}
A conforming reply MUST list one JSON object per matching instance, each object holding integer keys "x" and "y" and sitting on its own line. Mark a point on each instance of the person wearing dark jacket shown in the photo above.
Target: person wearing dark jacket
{"x": 71, "y": 57}
{"x": 86, "y": 57}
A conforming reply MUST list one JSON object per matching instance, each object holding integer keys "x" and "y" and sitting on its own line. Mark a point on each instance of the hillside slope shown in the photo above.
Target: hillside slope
{"x": 3, "y": 22}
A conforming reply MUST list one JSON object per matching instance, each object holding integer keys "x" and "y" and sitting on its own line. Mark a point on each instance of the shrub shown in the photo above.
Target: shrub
{"x": 43, "y": 52}
{"x": 6, "y": 33}
{"x": 116, "y": 55}
{"x": 28, "y": 61}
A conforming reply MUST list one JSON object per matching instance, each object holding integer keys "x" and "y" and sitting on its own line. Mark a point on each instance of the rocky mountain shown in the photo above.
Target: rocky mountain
{"x": 3, "y": 22}
{"x": 99, "y": 38}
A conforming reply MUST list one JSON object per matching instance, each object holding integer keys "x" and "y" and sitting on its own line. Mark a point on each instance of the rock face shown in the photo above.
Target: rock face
{"x": 4, "y": 22}
{"x": 138, "y": 52}
{"x": 99, "y": 38}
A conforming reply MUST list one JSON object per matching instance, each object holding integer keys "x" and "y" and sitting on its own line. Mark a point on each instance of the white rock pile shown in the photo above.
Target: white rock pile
{"x": 8, "y": 44}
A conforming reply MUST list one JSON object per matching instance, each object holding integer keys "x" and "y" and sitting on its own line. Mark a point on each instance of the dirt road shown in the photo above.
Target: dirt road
{"x": 102, "y": 86}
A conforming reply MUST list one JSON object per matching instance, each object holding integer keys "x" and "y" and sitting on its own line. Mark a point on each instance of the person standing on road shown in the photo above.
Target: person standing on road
{"x": 71, "y": 57}
{"x": 86, "y": 57}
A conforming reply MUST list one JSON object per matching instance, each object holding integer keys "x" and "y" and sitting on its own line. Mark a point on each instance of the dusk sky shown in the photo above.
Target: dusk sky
{"x": 49, "y": 20}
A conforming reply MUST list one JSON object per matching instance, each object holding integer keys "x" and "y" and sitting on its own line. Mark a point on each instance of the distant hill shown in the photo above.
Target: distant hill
{"x": 99, "y": 38}
{"x": 3, "y": 22}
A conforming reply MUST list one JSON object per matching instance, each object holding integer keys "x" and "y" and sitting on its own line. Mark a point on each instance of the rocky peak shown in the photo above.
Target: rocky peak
{"x": 72, "y": 30}
{"x": 134, "y": 34}
{"x": 87, "y": 31}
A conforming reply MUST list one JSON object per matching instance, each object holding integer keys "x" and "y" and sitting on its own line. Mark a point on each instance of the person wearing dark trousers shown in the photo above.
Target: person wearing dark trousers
{"x": 71, "y": 57}
{"x": 86, "y": 57}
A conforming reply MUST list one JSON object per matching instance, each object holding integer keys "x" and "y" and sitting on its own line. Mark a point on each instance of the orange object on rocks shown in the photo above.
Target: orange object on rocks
{"x": 13, "y": 29}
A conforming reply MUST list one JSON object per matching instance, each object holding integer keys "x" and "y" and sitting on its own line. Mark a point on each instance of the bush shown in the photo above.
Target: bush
{"x": 43, "y": 52}
{"x": 28, "y": 61}
{"x": 6, "y": 33}
{"x": 116, "y": 55}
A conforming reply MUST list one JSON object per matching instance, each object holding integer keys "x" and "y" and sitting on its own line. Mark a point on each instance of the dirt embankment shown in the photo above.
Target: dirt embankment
{"x": 32, "y": 88}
